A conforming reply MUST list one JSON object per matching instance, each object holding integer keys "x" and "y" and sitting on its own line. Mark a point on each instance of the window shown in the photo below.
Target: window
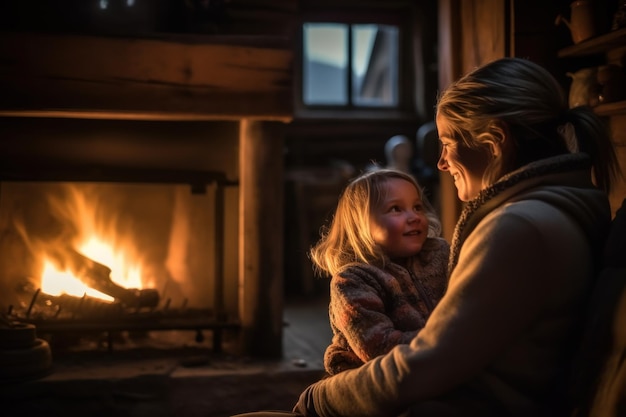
{"x": 350, "y": 65}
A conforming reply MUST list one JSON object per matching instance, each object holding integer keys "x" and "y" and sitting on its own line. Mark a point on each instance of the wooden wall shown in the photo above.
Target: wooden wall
{"x": 156, "y": 59}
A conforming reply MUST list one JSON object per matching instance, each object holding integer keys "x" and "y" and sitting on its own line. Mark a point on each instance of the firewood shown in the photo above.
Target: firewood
{"x": 98, "y": 277}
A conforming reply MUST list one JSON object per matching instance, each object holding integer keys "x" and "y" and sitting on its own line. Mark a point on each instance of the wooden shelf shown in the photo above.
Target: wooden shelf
{"x": 602, "y": 44}
{"x": 596, "y": 45}
{"x": 611, "y": 109}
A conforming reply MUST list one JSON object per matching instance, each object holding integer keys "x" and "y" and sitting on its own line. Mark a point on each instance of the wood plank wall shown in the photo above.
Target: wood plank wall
{"x": 181, "y": 59}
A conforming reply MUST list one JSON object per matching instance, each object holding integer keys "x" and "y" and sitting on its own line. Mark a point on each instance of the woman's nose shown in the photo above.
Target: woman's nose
{"x": 442, "y": 164}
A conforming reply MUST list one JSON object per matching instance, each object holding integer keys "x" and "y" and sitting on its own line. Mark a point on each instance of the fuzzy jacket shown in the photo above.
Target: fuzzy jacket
{"x": 499, "y": 342}
{"x": 372, "y": 309}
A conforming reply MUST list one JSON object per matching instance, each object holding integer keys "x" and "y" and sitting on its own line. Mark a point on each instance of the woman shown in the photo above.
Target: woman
{"x": 523, "y": 256}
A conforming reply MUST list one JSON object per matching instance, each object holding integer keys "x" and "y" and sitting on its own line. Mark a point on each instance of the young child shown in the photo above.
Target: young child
{"x": 388, "y": 265}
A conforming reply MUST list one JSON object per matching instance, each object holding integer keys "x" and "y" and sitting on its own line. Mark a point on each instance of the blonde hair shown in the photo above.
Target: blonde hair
{"x": 522, "y": 98}
{"x": 348, "y": 239}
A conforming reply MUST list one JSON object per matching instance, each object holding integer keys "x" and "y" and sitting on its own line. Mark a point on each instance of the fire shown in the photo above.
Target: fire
{"x": 122, "y": 272}
{"x": 81, "y": 211}
{"x": 55, "y": 282}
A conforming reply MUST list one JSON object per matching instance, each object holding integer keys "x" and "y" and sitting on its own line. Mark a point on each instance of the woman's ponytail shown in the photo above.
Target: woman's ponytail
{"x": 594, "y": 139}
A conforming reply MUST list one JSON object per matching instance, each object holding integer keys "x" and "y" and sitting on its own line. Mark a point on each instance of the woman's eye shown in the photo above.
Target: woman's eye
{"x": 447, "y": 143}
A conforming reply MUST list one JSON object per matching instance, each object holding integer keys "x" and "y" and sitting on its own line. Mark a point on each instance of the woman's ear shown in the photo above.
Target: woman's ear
{"x": 502, "y": 140}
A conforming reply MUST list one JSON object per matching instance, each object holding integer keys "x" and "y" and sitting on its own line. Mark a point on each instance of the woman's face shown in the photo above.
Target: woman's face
{"x": 466, "y": 165}
{"x": 398, "y": 223}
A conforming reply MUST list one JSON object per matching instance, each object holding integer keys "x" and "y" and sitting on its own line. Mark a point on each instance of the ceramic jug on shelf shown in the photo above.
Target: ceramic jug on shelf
{"x": 581, "y": 22}
{"x": 584, "y": 90}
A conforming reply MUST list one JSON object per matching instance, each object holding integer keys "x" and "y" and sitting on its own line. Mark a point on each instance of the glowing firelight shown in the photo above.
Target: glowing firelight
{"x": 55, "y": 282}
{"x": 122, "y": 273}
{"x": 97, "y": 241}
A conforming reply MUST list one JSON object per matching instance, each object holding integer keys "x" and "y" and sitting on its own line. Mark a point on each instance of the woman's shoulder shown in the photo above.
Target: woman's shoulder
{"x": 527, "y": 208}
{"x": 541, "y": 212}
{"x": 535, "y": 222}
{"x": 586, "y": 206}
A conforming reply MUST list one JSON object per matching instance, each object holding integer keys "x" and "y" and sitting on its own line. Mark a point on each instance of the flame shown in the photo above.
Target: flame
{"x": 122, "y": 272}
{"x": 81, "y": 211}
{"x": 55, "y": 282}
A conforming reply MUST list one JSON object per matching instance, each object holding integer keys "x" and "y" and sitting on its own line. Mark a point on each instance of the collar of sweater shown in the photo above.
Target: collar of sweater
{"x": 505, "y": 188}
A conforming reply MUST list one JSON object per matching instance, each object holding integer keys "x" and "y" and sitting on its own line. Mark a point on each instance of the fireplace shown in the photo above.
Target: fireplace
{"x": 146, "y": 226}
{"x": 157, "y": 187}
{"x": 84, "y": 257}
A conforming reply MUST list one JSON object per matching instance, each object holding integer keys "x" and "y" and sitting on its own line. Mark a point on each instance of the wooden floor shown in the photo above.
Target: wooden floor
{"x": 307, "y": 331}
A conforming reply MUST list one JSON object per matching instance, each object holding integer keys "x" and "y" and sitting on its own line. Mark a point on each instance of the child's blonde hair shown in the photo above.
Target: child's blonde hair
{"x": 348, "y": 239}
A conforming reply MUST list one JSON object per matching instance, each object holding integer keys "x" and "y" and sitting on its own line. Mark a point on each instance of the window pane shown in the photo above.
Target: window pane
{"x": 375, "y": 58}
{"x": 325, "y": 64}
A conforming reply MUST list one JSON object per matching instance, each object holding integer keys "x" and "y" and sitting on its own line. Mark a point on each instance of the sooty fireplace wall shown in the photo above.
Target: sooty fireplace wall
{"x": 175, "y": 146}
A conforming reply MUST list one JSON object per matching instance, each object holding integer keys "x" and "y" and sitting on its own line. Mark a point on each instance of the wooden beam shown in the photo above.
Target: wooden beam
{"x": 171, "y": 78}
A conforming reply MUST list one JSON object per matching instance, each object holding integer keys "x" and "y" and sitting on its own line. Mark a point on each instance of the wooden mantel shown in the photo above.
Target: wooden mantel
{"x": 161, "y": 78}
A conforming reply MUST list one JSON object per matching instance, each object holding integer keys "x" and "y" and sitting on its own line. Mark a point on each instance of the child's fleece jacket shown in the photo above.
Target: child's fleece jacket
{"x": 372, "y": 310}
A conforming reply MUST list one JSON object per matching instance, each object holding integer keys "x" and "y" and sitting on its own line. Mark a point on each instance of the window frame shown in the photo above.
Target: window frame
{"x": 405, "y": 97}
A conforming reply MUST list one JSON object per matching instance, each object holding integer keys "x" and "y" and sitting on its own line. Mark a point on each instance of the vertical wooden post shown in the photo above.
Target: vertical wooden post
{"x": 470, "y": 34}
{"x": 261, "y": 237}
{"x": 450, "y": 68}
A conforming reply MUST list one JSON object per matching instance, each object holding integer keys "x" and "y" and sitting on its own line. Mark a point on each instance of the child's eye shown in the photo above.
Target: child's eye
{"x": 418, "y": 207}
{"x": 394, "y": 208}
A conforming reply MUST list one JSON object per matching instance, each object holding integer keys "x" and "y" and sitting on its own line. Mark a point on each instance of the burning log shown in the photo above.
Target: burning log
{"x": 66, "y": 305}
{"x": 98, "y": 276}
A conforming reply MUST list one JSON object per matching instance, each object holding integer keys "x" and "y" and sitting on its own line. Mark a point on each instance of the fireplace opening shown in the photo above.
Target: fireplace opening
{"x": 96, "y": 265}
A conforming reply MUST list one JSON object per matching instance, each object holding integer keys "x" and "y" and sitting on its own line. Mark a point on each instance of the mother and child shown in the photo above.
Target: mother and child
{"x": 496, "y": 337}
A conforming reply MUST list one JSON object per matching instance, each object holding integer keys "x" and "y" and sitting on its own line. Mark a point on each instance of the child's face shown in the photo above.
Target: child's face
{"x": 399, "y": 224}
